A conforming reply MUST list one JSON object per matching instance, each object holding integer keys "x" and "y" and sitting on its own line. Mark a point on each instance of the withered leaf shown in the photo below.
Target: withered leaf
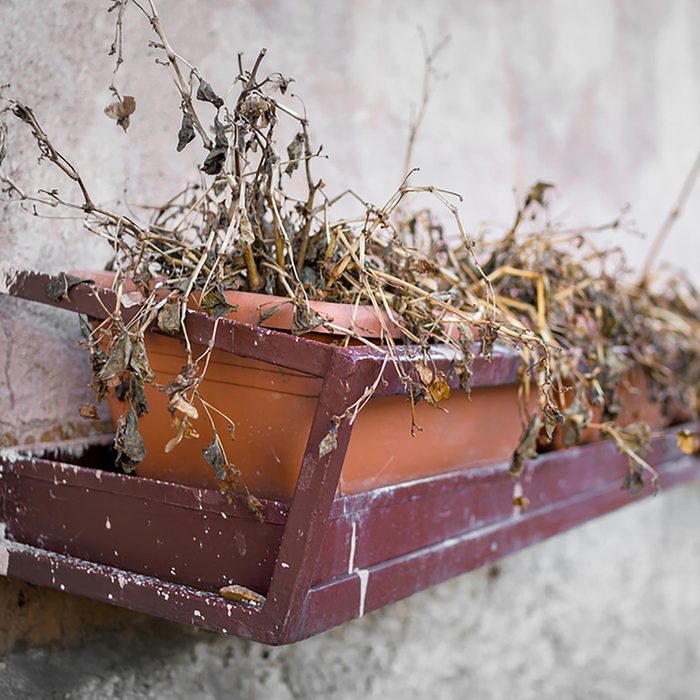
{"x": 330, "y": 441}
{"x": 179, "y": 403}
{"x": 434, "y": 382}
{"x": 633, "y": 482}
{"x": 58, "y": 288}
{"x": 246, "y": 230}
{"x": 139, "y": 359}
{"x": 489, "y": 335}
{"x": 255, "y": 507}
{"x": 552, "y": 418}
{"x": 215, "y": 304}
{"x": 185, "y": 431}
{"x": 186, "y": 133}
{"x": 537, "y": 193}
{"x": 214, "y": 456}
{"x": 688, "y": 442}
{"x": 206, "y": 93}
{"x": 636, "y": 436}
{"x": 295, "y": 150}
{"x": 89, "y": 411}
{"x": 169, "y": 318}
{"x": 527, "y": 447}
{"x": 121, "y": 110}
{"x": 215, "y": 160}
{"x": 241, "y": 594}
{"x": 119, "y": 358}
{"x": 128, "y": 442}
{"x": 577, "y": 416}
{"x": 220, "y": 134}
{"x": 138, "y": 395}
{"x": 305, "y": 319}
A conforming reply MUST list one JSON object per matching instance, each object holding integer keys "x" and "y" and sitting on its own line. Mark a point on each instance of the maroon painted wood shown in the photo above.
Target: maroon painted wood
{"x": 320, "y": 560}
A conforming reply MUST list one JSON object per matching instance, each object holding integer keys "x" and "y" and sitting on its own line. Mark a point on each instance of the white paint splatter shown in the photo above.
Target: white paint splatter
{"x": 517, "y": 498}
{"x": 363, "y": 575}
{"x": 108, "y": 525}
{"x": 4, "y": 552}
{"x": 353, "y": 541}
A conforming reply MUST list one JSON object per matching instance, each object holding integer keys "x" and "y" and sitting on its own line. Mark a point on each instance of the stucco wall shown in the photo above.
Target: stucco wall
{"x": 602, "y": 98}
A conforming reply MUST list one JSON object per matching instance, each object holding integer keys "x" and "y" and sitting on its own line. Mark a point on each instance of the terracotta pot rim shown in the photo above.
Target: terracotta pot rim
{"x": 362, "y": 320}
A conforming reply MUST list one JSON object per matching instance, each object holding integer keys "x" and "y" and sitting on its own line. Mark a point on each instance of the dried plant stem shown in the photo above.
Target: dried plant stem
{"x": 665, "y": 230}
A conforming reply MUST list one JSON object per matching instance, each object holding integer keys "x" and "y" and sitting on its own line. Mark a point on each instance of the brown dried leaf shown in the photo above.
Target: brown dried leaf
{"x": 215, "y": 458}
{"x": 128, "y": 442}
{"x": 58, "y": 288}
{"x": 305, "y": 319}
{"x": 295, "y": 150}
{"x": 119, "y": 358}
{"x": 636, "y": 436}
{"x": 255, "y": 506}
{"x": 186, "y": 133}
{"x": 552, "y": 418}
{"x": 241, "y": 594}
{"x": 537, "y": 193}
{"x": 89, "y": 411}
{"x": 527, "y": 447}
{"x": 329, "y": 442}
{"x": 206, "y": 93}
{"x": 169, "y": 318}
{"x": 434, "y": 382}
{"x": 179, "y": 403}
{"x": 121, "y": 110}
{"x": 139, "y": 359}
{"x": 215, "y": 304}
{"x": 688, "y": 442}
{"x": 247, "y": 237}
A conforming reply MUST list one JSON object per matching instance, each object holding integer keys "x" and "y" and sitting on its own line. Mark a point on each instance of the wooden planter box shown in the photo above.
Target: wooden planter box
{"x": 321, "y": 557}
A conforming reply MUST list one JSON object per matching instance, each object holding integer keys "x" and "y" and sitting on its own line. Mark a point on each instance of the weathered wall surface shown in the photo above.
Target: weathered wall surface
{"x": 602, "y": 98}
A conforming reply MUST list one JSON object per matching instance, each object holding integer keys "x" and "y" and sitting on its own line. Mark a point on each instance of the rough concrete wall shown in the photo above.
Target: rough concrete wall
{"x": 601, "y": 97}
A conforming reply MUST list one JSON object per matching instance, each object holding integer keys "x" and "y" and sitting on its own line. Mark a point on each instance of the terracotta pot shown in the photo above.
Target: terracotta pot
{"x": 272, "y": 409}
{"x": 636, "y": 406}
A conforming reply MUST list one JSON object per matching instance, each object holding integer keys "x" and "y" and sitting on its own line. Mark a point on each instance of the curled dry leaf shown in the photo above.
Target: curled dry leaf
{"x": 330, "y": 441}
{"x": 255, "y": 506}
{"x": 215, "y": 304}
{"x": 119, "y": 358}
{"x": 169, "y": 318}
{"x": 179, "y": 403}
{"x": 186, "y": 133}
{"x": 527, "y": 447}
{"x": 434, "y": 382}
{"x": 185, "y": 431}
{"x": 206, "y": 93}
{"x": 128, "y": 442}
{"x": 121, "y": 110}
{"x": 89, "y": 411}
{"x": 305, "y": 319}
{"x": 295, "y": 150}
{"x": 241, "y": 594}
{"x": 688, "y": 442}
{"x": 214, "y": 456}
{"x": 57, "y": 289}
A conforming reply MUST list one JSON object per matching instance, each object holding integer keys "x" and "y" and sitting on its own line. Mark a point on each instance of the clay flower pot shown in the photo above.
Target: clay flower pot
{"x": 272, "y": 409}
